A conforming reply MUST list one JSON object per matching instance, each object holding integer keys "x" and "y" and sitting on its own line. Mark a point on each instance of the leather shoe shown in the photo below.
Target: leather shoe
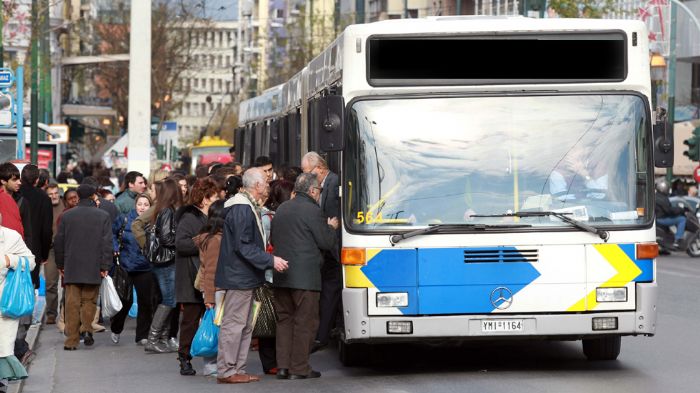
{"x": 50, "y": 320}
{"x": 312, "y": 374}
{"x": 88, "y": 340}
{"x": 272, "y": 371}
{"x": 283, "y": 373}
{"x": 238, "y": 378}
{"x": 70, "y": 348}
{"x": 317, "y": 346}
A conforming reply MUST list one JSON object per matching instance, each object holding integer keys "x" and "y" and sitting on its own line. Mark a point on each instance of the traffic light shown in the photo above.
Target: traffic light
{"x": 693, "y": 144}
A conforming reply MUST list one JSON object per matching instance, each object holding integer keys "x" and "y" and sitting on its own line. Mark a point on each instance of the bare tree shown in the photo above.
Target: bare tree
{"x": 171, "y": 56}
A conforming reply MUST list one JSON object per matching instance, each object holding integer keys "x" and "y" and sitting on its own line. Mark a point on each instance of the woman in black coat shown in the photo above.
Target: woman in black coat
{"x": 190, "y": 220}
{"x": 168, "y": 200}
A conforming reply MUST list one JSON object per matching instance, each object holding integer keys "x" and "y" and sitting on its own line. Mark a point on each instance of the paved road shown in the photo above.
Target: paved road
{"x": 667, "y": 362}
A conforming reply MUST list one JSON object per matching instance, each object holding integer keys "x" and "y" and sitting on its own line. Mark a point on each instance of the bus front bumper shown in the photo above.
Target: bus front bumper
{"x": 360, "y": 327}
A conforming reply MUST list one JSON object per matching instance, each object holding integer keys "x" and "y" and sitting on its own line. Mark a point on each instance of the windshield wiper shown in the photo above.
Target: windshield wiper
{"x": 603, "y": 234}
{"x": 433, "y": 228}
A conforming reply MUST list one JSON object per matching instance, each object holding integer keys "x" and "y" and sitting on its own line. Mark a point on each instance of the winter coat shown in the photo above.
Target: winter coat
{"x": 299, "y": 232}
{"x": 83, "y": 244}
{"x": 190, "y": 221}
{"x": 208, "y": 260}
{"x": 138, "y": 227}
{"x": 242, "y": 260}
{"x": 11, "y": 244}
{"x": 11, "y": 217}
{"x": 165, "y": 232}
{"x": 41, "y": 220}
{"x": 664, "y": 208}
{"x": 130, "y": 255}
{"x": 125, "y": 201}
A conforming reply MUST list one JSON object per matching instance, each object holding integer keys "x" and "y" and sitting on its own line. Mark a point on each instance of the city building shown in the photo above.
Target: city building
{"x": 208, "y": 89}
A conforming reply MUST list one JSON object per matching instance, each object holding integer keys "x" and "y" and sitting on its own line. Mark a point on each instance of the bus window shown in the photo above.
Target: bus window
{"x": 246, "y": 160}
{"x": 294, "y": 138}
{"x": 238, "y": 142}
{"x": 258, "y": 138}
{"x": 282, "y": 146}
{"x": 313, "y": 125}
{"x": 273, "y": 148}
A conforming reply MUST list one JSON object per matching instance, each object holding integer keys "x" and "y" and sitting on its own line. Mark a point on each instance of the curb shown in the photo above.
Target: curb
{"x": 32, "y": 337}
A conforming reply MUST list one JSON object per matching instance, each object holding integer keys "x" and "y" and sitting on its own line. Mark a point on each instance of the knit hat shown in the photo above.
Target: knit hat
{"x": 86, "y": 191}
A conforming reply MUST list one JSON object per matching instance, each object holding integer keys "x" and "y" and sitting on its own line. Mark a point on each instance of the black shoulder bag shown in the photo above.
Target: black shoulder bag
{"x": 122, "y": 281}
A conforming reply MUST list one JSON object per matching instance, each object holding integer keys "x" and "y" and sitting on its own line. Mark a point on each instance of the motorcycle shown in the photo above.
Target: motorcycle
{"x": 690, "y": 243}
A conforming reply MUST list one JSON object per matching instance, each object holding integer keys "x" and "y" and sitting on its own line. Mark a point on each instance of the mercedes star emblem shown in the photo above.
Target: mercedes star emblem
{"x": 501, "y": 298}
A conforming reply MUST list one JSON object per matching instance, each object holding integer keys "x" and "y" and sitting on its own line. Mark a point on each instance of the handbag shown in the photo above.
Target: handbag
{"x": 18, "y": 295}
{"x": 111, "y": 304}
{"x": 264, "y": 316}
{"x": 122, "y": 281}
{"x": 206, "y": 340}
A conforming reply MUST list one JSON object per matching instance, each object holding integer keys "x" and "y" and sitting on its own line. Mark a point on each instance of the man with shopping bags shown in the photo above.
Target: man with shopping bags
{"x": 83, "y": 248}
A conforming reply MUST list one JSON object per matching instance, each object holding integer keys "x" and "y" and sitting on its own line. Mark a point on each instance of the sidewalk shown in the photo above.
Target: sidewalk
{"x": 32, "y": 337}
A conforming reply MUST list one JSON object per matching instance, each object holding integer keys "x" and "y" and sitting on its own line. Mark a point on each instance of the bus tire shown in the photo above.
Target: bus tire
{"x": 602, "y": 348}
{"x": 352, "y": 354}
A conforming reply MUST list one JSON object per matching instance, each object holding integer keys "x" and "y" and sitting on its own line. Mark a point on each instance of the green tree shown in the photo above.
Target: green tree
{"x": 582, "y": 8}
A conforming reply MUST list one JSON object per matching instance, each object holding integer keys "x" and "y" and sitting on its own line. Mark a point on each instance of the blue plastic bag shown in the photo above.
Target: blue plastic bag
{"x": 18, "y": 296}
{"x": 206, "y": 340}
{"x": 134, "y": 310}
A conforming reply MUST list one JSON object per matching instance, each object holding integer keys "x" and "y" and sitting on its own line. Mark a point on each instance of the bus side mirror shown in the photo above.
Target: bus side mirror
{"x": 331, "y": 119}
{"x": 663, "y": 145}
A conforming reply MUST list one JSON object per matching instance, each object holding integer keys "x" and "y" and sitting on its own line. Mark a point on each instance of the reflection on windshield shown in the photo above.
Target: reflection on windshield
{"x": 416, "y": 162}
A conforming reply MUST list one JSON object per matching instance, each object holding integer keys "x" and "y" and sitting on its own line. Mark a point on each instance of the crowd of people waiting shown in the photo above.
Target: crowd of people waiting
{"x": 220, "y": 239}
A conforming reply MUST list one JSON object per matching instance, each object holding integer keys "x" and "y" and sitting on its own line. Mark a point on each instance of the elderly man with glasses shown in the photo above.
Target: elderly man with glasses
{"x": 331, "y": 276}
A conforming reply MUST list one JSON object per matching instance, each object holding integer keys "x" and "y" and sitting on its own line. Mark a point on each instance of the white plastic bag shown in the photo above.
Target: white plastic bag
{"x": 111, "y": 304}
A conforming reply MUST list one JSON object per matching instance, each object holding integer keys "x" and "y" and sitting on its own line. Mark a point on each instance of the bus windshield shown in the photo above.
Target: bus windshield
{"x": 415, "y": 162}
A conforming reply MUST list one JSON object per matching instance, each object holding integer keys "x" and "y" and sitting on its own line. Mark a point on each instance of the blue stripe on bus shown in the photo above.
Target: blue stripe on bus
{"x": 448, "y": 285}
{"x": 645, "y": 265}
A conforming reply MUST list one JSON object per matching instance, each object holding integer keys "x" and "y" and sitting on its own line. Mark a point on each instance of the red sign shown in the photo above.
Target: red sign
{"x": 44, "y": 157}
{"x": 696, "y": 174}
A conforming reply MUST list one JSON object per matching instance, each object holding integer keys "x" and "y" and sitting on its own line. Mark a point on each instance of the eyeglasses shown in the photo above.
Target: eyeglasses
{"x": 320, "y": 189}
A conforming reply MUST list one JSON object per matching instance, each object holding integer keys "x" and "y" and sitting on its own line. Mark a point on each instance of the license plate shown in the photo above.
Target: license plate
{"x": 502, "y": 325}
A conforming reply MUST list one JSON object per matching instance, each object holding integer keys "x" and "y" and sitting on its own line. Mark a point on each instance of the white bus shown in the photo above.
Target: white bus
{"x": 496, "y": 176}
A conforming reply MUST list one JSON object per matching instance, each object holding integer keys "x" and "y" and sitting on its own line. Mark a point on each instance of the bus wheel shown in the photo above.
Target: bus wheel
{"x": 352, "y": 354}
{"x": 603, "y": 348}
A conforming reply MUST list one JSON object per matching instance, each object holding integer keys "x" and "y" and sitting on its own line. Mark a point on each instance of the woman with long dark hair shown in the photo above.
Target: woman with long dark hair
{"x": 168, "y": 200}
{"x": 190, "y": 220}
{"x": 209, "y": 244}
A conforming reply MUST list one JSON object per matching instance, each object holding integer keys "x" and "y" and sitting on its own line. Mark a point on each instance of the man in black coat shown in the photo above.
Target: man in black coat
{"x": 41, "y": 219}
{"x": 299, "y": 232}
{"x": 331, "y": 274}
{"x": 83, "y": 248}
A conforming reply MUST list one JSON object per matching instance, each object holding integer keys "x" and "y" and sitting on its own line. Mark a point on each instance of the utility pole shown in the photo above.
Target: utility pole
{"x": 46, "y": 63}
{"x": 34, "y": 105}
{"x": 359, "y": 11}
{"x": 139, "y": 158}
{"x": 672, "y": 80}
{"x": 2, "y": 23}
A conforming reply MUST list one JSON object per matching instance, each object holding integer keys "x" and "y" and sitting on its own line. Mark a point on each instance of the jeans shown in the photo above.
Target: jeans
{"x": 166, "y": 282}
{"x": 678, "y": 221}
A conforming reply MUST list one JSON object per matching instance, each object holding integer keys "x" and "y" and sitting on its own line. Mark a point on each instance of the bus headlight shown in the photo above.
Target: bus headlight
{"x": 606, "y": 295}
{"x": 392, "y": 299}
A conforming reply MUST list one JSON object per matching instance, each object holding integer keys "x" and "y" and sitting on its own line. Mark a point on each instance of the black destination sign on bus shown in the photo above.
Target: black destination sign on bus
{"x": 497, "y": 59}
